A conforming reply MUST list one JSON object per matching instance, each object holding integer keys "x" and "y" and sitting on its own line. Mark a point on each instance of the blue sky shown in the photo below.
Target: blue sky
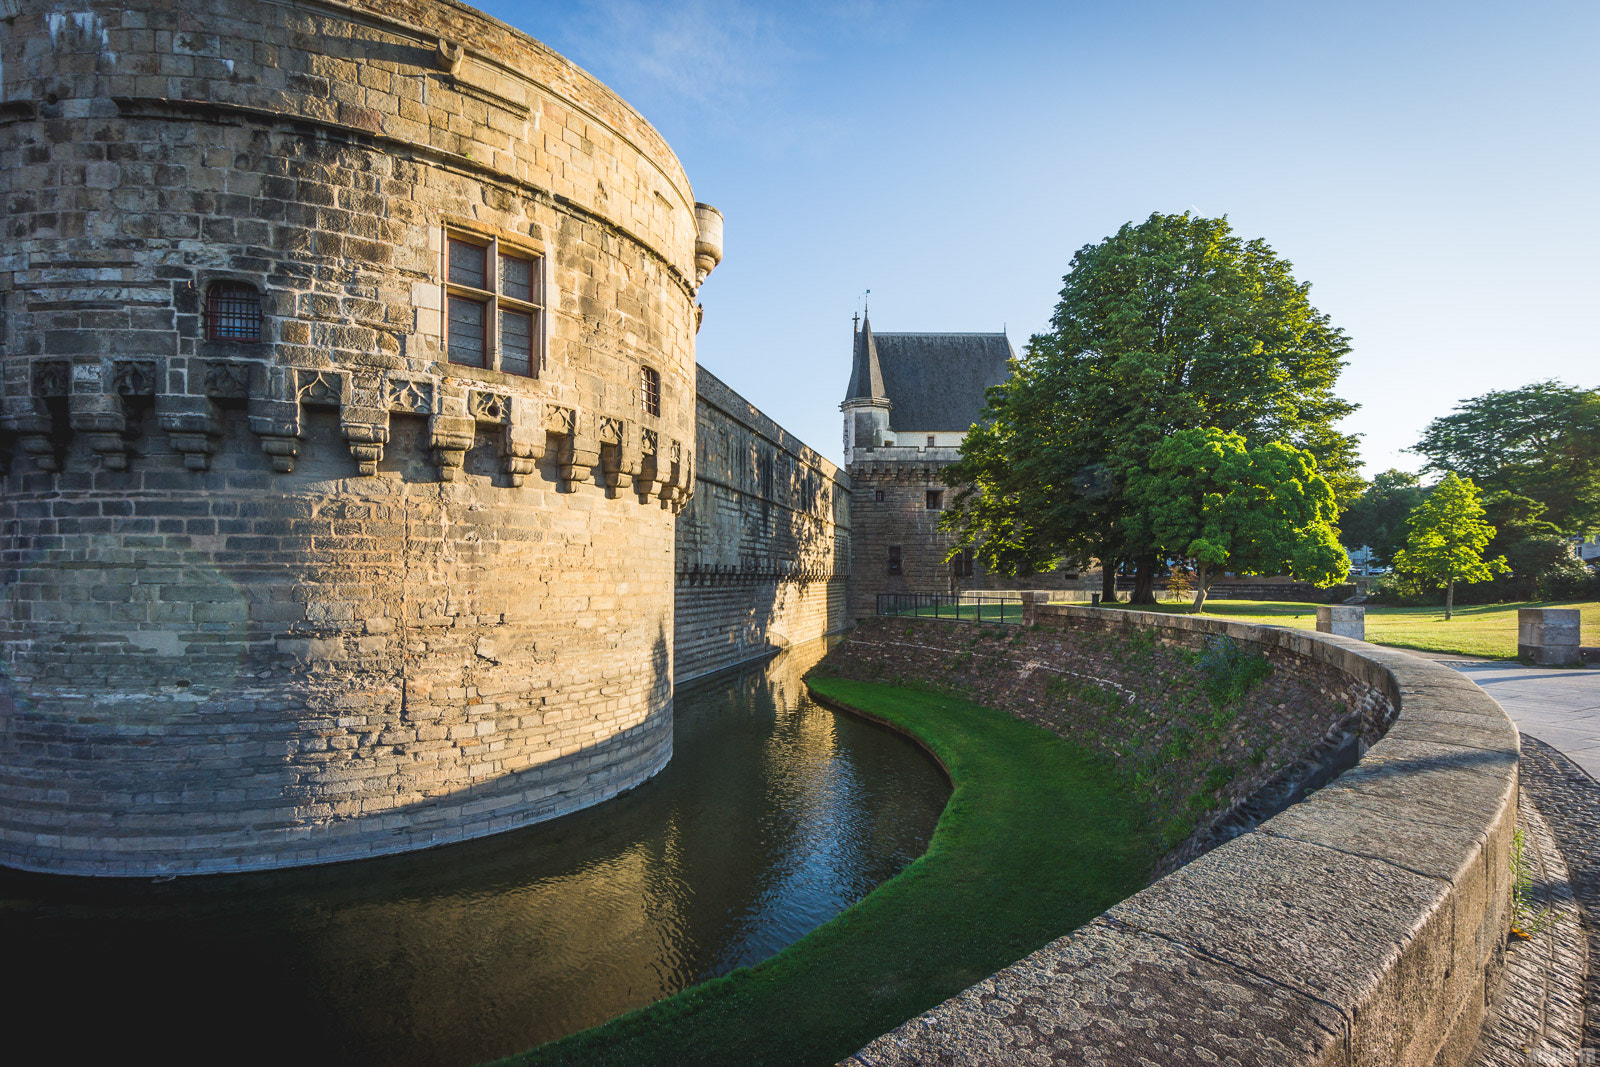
{"x": 1430, "y": 168}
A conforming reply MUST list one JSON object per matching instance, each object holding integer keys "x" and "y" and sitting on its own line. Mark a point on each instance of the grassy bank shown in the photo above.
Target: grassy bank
{"x": 1487, "y": 630}
{"x": 1038, "y": 837}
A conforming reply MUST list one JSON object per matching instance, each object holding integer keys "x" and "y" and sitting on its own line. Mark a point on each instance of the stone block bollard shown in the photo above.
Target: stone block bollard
{"x": 1030, "y": 607}
{"x": 1548, "y": 637}
{"x": 1345, "y": 620}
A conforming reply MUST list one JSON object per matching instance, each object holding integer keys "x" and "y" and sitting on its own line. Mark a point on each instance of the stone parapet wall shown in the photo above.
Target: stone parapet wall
{"x": 324, "y": 593}
{"x": 763, "y": 547}
{"x": 1365, "y": 925}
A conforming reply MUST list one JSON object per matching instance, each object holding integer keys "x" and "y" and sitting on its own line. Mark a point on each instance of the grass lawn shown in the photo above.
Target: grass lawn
{"x": 1488, "y": 630}
{"x": 1038, "y": 838}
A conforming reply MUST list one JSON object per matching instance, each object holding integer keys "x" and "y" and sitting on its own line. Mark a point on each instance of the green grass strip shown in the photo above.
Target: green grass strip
{"x": 1486, "y": 630}
{"x": 1039, "y": 836}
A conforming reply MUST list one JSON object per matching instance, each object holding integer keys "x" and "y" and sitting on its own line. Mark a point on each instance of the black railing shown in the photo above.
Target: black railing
{"x": 967, "y": 607}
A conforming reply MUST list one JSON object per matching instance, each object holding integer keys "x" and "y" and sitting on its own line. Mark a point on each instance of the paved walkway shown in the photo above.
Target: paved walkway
{"x": 1569, "y": 801}
{"x": 1559, "y": 707}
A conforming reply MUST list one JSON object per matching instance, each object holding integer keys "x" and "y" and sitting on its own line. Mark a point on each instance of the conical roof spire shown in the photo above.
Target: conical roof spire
{"x": 866, "y": 377}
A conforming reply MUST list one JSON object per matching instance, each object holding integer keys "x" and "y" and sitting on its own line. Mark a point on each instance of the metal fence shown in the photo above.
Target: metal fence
{"x": 967, "y": 607}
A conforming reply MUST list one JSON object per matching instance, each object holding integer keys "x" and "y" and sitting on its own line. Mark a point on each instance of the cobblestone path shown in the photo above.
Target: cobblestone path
{"x": 1569, "y": 800}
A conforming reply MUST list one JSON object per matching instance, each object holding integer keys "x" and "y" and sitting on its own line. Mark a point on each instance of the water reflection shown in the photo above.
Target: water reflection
{"x": 773, "y": 816}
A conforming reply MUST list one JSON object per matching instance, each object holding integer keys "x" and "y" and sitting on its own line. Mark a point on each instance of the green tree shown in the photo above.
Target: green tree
{"x": 1210, "y": 498}
{"x": 1447, "y": 539}
{"x": 1377, "y": 518}
{"x": 1540, "y": 441}
{"x": 1173, "y": 323}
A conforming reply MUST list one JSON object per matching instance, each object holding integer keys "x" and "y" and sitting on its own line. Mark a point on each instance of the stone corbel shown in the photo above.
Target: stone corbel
{"x": 619, "y": 453}
{"x": 679, "y": 483}
{"x": 364, "y": 419}
{"x": 649, "y": 475}
{"x": 274, "y": 415}
{"x": 574, "y": 458}
{"x": 30, "y": 417}
{"x": 94, "y": 411}
{"x": 578, "y": 454}
{"x": 450, "y": 437}
{"x": 522, "y": 441}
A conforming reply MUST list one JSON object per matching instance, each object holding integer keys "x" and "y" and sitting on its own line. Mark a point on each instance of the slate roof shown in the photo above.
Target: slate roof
{"x": 935, "y": 381}
{"x": 866, "y": 379}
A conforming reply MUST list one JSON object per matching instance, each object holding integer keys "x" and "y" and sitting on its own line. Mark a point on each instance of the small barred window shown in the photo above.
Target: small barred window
{"x": 650, "y": 390}
{"x": 233, "y": 312}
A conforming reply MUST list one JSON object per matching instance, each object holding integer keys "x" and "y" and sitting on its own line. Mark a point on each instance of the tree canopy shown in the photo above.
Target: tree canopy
{"x": 1170, "y": 324}
{"x": 1377, "y": 518}
{"x": 1447, "y": 538}
{"x": 1210, "y": 498}
{"x": 1540, "y": 441}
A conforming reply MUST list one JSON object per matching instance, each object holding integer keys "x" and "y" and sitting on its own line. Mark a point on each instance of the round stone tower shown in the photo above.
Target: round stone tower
{"x": 348, "y": 399}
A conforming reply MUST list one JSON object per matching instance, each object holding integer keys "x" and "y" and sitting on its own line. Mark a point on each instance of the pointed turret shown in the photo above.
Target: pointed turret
{"x": 866, "y": 403}
{"x": 866, "y": 376}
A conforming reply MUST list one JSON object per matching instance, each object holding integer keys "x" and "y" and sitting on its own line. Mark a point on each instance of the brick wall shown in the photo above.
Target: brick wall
{"x": 324, "y": 595}
{"x": 763, "y": 546}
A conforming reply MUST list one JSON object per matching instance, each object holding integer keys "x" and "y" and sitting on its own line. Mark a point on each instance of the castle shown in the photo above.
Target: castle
{"x": 361, "y": 492}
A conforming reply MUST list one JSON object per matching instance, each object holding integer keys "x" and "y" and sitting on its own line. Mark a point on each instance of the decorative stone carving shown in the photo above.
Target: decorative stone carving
{"x": 133, "y": 377}
{"x": 560, "y": 420}
{"x": 51, "y": 377}
{"x": 227, "y": 380}
{"x": 322, "y": 388}
{"x": 409, "y": 395}
{"x": 489, "y": 407}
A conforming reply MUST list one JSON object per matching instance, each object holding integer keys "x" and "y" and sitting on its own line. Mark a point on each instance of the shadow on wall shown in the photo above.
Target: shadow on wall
{"x": 763, "y": 547}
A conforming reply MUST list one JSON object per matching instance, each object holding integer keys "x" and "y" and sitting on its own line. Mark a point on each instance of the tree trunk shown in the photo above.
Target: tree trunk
{"x": 1201, "y": 586}
{"x": 1449, "y": 598}
{"x": 1108, "y": 581}
{"x": 1144, "y": 581}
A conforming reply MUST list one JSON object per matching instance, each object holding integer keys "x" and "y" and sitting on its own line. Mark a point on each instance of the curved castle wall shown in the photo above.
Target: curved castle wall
{"x": 1365, "y": 925}
{"x": 326, "y": 594}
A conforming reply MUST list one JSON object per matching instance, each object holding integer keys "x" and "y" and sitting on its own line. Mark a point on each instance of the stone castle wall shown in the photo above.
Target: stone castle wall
{"x": 325, "y": 595}
{"x": 889, "y": 499}
{"x": 763, "y": 547}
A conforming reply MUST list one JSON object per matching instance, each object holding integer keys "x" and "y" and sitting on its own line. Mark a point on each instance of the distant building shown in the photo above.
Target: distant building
{"x": 911, "y": 400}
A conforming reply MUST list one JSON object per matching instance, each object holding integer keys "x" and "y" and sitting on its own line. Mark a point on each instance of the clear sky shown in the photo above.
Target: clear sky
{"x": 1431, "y": 169}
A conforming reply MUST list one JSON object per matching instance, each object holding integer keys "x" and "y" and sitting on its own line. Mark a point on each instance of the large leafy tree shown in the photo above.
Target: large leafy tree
{"x": 1540, "y": 441}
{"x": 1377, "y": 518}
{"x": 1208, "y": 497}
{"x": 1447, "y": 538}
{"x": 1173, "y": 323}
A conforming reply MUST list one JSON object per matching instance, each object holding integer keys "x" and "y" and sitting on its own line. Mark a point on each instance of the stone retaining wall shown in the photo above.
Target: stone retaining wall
{"x": 763, "y": 547}
{"x": 1364, "y": 926}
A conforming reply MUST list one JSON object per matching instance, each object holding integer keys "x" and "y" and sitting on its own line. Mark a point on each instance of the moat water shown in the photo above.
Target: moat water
{"x": 774, "y": 815}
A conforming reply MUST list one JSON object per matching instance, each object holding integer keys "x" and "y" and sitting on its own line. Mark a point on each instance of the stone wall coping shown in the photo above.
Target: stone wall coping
{"x": 1365, "y": 925}
{"x": 714, "y": 392}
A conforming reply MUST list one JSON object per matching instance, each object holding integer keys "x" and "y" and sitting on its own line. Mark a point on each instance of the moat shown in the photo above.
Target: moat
{"x": 773, "y": 816}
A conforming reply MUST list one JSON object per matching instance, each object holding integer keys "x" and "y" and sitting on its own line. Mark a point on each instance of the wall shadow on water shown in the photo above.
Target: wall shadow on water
{"x": 773, "y": 815}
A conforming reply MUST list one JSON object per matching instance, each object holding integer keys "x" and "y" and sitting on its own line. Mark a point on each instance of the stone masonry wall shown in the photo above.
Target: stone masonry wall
{"x": 1364, "y": 926}
{"x": 1139, "y": 697}
{"x": 325, "y": 594}
{"x": 764, "y": 545}
{"x": 889, "y": 500}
